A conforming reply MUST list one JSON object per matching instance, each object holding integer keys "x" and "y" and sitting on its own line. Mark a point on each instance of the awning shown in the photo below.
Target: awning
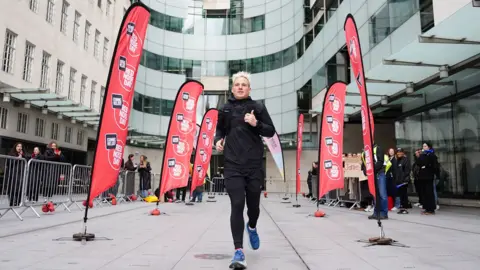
{"x": 434, "y": 61}
{"x": 48, "y": 102}
{"x": 431, "y": 60}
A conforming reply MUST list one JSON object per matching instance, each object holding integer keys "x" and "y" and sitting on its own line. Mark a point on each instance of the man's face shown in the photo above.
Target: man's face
{"x": 400, "y": 154}
{"x": 241, "y": 88}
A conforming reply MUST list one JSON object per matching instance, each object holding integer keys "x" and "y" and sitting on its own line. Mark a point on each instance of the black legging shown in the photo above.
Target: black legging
{"x": 243, "y": 185}
{"x": 402, "y": 193}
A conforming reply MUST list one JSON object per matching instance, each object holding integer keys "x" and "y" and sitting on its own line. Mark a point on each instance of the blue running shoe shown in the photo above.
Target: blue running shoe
{"x": 253, "y": 237}
{"x": 238, "y": 261}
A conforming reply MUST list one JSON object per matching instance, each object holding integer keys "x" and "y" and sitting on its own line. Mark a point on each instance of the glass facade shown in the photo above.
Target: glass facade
{"x": 152, "y": 105}
{"x": 224, "y": 23}
{"x": 453, "y": 129}
{"x": 389, "y": 18}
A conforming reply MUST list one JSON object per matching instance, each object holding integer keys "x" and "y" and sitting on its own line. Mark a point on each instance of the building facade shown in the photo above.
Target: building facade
{"x": 420, "y": 60}
{"x": 55, "y": 60}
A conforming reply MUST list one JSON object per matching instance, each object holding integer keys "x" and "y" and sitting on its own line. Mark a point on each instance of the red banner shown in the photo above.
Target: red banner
{"x": 204, "y": 148}
{"x": 299, "y": 150}
{"x": 331, "y": 139}
{"x": 180, "y": 137}
{"x": 356, "y": 62}
{"x": 115, "y": 113}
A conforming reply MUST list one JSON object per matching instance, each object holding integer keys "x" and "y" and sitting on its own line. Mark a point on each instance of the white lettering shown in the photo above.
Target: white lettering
{"x": 133, "y": 43}
{"x": 128, "y": 78}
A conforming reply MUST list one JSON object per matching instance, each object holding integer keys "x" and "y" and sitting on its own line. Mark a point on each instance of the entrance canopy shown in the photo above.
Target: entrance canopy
{"x": 49, "y": 102}
{"x": 427, "y": 64}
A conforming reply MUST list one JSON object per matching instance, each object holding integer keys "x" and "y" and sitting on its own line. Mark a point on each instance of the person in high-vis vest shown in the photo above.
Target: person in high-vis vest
{"x": 381, "y": 165}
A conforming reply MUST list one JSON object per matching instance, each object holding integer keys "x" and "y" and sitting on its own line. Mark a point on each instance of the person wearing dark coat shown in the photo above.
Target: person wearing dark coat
{"x": 428, "y": 170}
{"x": 14, "y": 172}
{"x": 35, "y": 177}
{"x": 309, "y": 183}
{"x": 402, "y": 180}
{"x": 129, "y": 183}
{"x": 52, "y": 171}
{"x": 145, "y": 176}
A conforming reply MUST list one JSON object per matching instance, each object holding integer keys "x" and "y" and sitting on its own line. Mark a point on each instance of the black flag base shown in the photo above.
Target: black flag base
{"x": 297, "y": 205}
{"x": 189, "y": 203}
{"x": 382, "y": 240}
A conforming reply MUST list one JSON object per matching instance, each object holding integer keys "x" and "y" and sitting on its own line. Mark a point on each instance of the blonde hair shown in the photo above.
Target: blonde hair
{"x": 241, "y": 74}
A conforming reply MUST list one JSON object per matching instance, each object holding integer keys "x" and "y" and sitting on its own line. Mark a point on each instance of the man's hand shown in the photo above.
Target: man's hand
{"x": 250, "y": 119}
{"x": 219, "y": 145}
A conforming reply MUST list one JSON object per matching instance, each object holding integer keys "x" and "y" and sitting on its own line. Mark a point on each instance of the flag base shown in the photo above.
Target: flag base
{"x": 82, "y": 237}
{"x": 189, "y": 203}
{"x": 382, "y": 241}
{"x": 296, "y": 205}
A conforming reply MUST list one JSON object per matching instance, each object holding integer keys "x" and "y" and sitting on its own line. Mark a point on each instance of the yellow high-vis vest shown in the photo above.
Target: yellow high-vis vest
{"x": 386, "y": 161}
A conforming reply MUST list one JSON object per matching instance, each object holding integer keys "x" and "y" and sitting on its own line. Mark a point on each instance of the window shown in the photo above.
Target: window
{"x": 63, "y": 20}
{"x": 99, "y": 3}
{"x": 76, "y": 26}
{"x": 71, "y": 84}
{"x": 83, "y": 87}
{"x": 92, "y": 94}
{"x": 97, "y": 44}
{"x": 50, "y": 11}
{"x": 22, "y": 122}
{"x": 54, "y": 131}
{"x": 80, "y": 137}
{"x": 68, "y": 134}
{"x": 45, "y": 70}
{"x": 28, "y": 63}
{"x": 59, "y": 78}
{"x": 39, "y": 127}
{"x": 105, "y": 50}
{"x": 87, "y": 35}
{"x": 3, "y": 118}
{"x": 9, "y": 51}
{"x": 102, "y": 95}
{"x": 108, "y": 7}
{"x": 34, "y": 5}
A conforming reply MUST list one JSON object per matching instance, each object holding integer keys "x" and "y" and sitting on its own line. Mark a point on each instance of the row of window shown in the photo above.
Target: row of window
{"x": 64, "y": 21}
{"x": 224, "y": 23}
{"x": 8, "y": 64}
{"x": 152, "y": 105}
{"x": 214, "y": 68}
{"x": 23, "y": 123}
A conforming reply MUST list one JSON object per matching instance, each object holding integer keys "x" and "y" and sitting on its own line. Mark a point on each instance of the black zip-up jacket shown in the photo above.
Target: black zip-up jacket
{"x": 402, "y": 170}
{"x": 243, "y": 145}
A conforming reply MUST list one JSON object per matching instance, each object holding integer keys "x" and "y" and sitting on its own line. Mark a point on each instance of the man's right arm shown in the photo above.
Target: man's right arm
{"x": 220, "y": 131}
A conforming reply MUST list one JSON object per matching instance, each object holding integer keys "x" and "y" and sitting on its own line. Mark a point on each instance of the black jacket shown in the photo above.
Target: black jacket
{"x": 243, "y": 144}
{"x": 402, "y": 170}
{"x": 428, "y": 166}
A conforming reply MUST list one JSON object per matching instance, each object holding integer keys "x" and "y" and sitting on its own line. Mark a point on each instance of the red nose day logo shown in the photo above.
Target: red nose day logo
{"x": 120, "y": 111}
{"x": 364, "y": 120}
{"x": 176, "y": 170}
{"x": 126, "y": 74}
{"x": 368, "y": 160}
{"x": 135, "y": 43}
{"x": 184, "y": 124}
{"x": 206, "y": 140}
{"x": 180, "y": 147}
{"x": 333, "y": 125}
{"x": 332, "y": 146}
{"x": 353, "y": 49}
{"x": 115, "y": 149}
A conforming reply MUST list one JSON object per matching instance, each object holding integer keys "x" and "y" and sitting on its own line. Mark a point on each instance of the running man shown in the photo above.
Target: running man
{"x": 241, "y": 122}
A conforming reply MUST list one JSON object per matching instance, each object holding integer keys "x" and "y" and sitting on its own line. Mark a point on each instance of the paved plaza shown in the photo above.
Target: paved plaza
{"x": 198, "y": 237}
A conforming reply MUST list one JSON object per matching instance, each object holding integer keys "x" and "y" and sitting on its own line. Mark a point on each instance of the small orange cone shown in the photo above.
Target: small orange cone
{"x": 155, "y": 212}
{"x": 265, "y": 194}
{"x": 319, "y": 213}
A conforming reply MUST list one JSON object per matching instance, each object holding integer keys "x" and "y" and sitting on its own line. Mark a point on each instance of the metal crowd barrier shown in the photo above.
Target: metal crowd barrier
{"x": 12, "y": 175}
{"x": 28, "y": 185}
{"x": 215, "y": 186}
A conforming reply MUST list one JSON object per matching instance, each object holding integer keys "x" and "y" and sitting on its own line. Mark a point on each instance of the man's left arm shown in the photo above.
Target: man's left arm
{"x": 264, "y": 123}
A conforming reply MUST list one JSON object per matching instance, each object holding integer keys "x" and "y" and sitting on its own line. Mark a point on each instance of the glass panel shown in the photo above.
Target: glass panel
{"x": 288, "y": 56}
{"x": 258, "y": 23}
{"x": 437, "y": 127}
{"x": 235, "y": 26}
{"x": 319, "y": 81}
{"x": 137, "y": 101}
{"x": 467, "y": 128}
{"x": 147, "y": 104}
{"x": 390, "y": 17}
{"x": 167, "y": 107}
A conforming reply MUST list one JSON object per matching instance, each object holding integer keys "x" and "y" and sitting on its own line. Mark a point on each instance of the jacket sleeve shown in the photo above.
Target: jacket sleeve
{"x": 380, "y": 159}
{"x": 220, "y": 131}
{"x": 264, "y": 123}
{"x": 406, "y": 171}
